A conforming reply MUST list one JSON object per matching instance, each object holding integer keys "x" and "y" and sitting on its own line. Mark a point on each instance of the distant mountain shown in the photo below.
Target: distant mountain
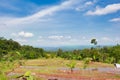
{"x": 67, "y": 48}
{"x": 70, "y": 48}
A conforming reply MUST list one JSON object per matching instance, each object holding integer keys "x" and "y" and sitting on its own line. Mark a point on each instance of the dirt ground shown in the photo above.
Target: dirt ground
{"x": 75, "y": 75}
{"x": 56, "y": 69}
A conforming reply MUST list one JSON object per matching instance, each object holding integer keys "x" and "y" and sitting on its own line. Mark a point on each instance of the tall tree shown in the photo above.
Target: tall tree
{"x": 95, "y": 53}
{"x": 93, "y": 41}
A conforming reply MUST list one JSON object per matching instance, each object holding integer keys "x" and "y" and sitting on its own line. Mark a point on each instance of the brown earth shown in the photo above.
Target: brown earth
{"x": 75, "y": 75}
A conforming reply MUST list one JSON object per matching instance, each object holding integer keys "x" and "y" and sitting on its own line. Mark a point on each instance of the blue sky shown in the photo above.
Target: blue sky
{"x": 60, "y": 22}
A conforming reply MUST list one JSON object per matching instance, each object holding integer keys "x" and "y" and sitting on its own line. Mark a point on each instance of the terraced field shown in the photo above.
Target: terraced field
{"x": 56, "y": 69}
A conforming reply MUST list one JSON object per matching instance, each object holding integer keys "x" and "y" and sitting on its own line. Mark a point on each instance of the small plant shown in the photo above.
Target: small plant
{"x": 21, "y": 62}
{"x": 110, "y": 60}
{"x": 86, "y": 62}
{"x": 71, "y": 65}
{"x": 94, "y": 57}
{"x": 26, "y": 76}
{"x": 47, "y": 56}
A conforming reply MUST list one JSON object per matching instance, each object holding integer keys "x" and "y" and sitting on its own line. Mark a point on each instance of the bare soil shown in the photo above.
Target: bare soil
{"x": 88, "y": 74}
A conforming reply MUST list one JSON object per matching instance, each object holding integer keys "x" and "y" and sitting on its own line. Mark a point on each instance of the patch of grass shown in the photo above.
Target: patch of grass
{"x": 38, "y": 78}
{"x": 3, "y": 76}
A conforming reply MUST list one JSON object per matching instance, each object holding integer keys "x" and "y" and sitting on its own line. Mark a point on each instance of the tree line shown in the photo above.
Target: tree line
{"x": 12, "y": 50}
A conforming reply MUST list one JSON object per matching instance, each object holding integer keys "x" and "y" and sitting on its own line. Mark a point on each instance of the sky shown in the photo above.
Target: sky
{"x": 60, "y": 22}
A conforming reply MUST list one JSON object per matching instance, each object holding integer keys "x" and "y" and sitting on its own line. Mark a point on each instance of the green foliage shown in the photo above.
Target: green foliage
{"x": 59, "y": 52}
{"x": 71, "y": 65}
{"x": 86, "y": 61}
{"x": 21, "y": 62}
{"x": 26, "y": 76}
{"x": 95, "y": 55}
{"x": 9, "y": 44}
{"x": 47, "y": 56}
{"x": 18, "y": 53}
{"x": 28, "y": 73}
{"x": 3, "y": 76}
{"x": 4, "y": 67}
{"x": 93, "y": 41}
{"x": 29, "y": 52}
{"x": 11, "y": 50}
{"x": 110, "y": 60}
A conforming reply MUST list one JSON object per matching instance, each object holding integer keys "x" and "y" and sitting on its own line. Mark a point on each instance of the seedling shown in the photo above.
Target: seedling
{"x": 71, "y": 65}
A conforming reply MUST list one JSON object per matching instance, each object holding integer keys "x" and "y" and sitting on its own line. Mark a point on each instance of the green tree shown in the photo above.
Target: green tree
{"x": 86, "y": 62}
{"x": 71, "y": 65}
{"x": 93, "y": 41}
{"x": 59, "y": 52}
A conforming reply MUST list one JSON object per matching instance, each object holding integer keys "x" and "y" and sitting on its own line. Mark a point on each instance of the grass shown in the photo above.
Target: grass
{"x": 3, "y": 77}
{"x": 5, "y": 67}
{"x": 59, "y": 62}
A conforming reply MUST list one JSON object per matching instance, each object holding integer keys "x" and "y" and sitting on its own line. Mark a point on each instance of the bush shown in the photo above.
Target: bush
{"x": 71, "y": 65}
{"x": 86, "y": 61}
{"x": 26, "y": 76}
{"x": 110, "y": 60}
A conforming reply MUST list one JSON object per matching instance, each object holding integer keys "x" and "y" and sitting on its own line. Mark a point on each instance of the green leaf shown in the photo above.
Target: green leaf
{"x": 28, "y": 73}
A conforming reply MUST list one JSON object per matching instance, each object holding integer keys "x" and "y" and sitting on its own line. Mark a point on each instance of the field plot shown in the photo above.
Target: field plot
{"x": 56, "y": 69}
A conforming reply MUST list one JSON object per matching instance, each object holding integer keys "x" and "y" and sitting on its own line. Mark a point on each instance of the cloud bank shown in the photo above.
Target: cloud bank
{"x": 112, "y": 8}
{"x": 23, "y": 34}
{"x": 115, "y": 20}
{"x": 43, "y": 13}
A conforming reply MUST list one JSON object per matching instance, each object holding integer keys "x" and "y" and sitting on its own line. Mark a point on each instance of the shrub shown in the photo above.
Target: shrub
{"x": 86, "y": 61}
{"x": 26, "y": 76}
{"x": 71, "y": 65}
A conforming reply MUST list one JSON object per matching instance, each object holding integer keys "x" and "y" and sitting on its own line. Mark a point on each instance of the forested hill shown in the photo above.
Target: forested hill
{"x": 9, "y": 45}
{"x": 12, "y": 50}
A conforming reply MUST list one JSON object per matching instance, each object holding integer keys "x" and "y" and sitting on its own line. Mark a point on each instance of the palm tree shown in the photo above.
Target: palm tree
{"x": 93, "y": 41}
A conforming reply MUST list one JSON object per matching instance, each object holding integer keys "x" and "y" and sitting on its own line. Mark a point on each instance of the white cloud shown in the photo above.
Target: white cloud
{"x": 40, "y": 37}
{"x": 54, "y": 40}
{"x": 14, "y": 34}
{"x": 55, "y": 37}
{"x": 59, "y": 37}
{"x": 23, "y": 34}
{"x": 89, "y": 3}
{"x": 40, "y": 40}
{"x": 106, "y": 39}
{"x": 21, "y": 40}
{"x": 60, "y": 41}
{"x": 45, "y": 12}
{"x": 85, "y": 5}
{"x": 68, "y": 37}
{"x": 112, "y": 8}
{"x": 115, "y": 20}
{"x": 84, "y": 37}
{"x": 117, "y": 40}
